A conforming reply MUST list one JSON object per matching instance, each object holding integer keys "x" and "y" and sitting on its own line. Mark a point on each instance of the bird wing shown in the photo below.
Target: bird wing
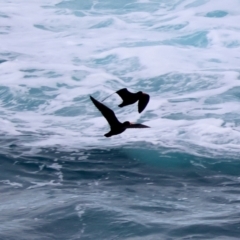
{"x": 137, "y": 125}
{"x": 106, "y": 112}
{"x": 143, "y": 101}
{"x": 124, "y": 93}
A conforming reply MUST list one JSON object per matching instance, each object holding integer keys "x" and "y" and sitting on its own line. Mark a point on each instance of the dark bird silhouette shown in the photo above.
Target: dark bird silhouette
{"x": 116, "y": 126}
{"x": 130, "y": 98}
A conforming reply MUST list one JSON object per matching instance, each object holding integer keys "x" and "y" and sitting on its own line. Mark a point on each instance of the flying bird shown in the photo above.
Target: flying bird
{"x": 116, "y": 126}
{"x": 130, "y": 98}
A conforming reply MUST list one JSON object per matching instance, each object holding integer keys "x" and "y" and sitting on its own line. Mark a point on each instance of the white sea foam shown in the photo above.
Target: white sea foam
{"x": 13, "y": 184}
{"x": 184, "y": 54}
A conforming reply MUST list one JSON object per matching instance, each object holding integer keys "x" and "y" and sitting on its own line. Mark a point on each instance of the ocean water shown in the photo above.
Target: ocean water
{"x": 60, "y": 178}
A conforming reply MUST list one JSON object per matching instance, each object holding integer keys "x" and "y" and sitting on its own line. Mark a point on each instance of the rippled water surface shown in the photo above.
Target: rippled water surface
{"x": 60, "y": 178}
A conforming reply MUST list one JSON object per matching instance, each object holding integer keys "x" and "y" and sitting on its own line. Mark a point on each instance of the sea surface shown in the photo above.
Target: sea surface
{"x": 60, "y": 178}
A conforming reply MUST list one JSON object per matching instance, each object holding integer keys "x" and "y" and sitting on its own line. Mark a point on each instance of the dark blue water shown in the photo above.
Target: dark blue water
{"x": 121, "y": 193}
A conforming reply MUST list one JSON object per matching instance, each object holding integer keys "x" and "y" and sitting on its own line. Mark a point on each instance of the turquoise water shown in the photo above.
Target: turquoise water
{"x": 60, "y": 178}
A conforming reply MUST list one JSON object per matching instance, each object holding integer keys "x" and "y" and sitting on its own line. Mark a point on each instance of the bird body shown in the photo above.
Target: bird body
{"x": 115, "y": 130}
{"x": 116, "y": 126}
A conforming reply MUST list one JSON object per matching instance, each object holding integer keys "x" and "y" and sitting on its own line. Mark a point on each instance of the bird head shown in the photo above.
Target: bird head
{"x": 126, "y": 124}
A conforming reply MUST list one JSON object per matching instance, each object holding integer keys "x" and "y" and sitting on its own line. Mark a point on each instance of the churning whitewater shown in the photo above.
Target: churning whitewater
{"x": 60, "y": 178}
{"x": 183, "y": 53}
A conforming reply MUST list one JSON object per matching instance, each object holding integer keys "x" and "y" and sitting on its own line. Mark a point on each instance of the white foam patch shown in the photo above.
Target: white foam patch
{"x": 180, "y": 52}
{"x": 43, "y": 184}
{"x": 12, "y": 184}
